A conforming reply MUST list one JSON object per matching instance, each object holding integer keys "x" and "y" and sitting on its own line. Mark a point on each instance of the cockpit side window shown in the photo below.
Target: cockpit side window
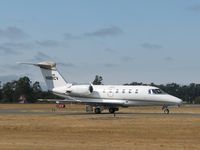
{"x": 156, "y": 91}
{"x": 149, "y": 91}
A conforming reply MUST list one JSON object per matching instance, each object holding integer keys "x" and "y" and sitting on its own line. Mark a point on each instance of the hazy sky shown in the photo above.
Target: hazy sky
{"x": 122, "y": 40}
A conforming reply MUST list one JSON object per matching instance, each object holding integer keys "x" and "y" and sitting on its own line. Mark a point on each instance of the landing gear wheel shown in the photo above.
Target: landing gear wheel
{"x": 97, "y": 110}
{"x": 166, "y": 111}
{"x": 111, "y": 110}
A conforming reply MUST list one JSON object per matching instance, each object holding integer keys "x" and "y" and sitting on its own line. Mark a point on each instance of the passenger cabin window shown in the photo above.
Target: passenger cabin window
{"x": 156, "y": 91}
{"x": 117, "y": 91}
{"x": 130, "y": 91}
{"x": 123, "y": 91}
{"x": 136, "y": 91}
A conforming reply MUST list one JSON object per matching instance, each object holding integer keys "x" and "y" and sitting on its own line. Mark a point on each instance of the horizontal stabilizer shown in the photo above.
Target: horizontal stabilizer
{"x": 45, "y": 65}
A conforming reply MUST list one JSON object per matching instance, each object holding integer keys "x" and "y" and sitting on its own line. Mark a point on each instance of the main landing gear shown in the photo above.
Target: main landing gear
{"x": 99, "y": 109}
{"x": 112, "y": 110}
{"x": 96, "y": 110}
{"x": 165, "y": 109}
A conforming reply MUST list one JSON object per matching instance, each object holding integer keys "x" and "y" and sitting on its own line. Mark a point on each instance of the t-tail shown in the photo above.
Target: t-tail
{"x": 54, "y": 80}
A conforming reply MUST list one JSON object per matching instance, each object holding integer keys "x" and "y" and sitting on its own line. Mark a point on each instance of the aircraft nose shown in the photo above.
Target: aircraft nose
{"x": 175, "y": 100}
{"x": 178, "y": 100}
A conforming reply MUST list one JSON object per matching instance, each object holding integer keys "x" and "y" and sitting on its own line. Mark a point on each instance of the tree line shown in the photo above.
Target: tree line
{"x": 24, "y": 89}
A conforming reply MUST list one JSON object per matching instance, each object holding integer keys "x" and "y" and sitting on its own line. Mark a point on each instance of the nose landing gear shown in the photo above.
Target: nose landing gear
{"x": 165, "y": 109}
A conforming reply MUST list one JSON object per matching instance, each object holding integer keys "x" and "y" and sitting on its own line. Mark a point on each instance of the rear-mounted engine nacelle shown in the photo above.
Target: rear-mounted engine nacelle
{"x": 80, "y": 90}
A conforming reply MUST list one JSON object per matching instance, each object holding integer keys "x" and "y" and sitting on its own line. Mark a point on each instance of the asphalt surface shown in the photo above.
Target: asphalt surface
{"x": 85, "y": 114}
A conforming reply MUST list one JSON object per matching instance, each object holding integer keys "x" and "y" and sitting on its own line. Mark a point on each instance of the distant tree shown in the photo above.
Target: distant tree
{"x": 135, "y": 83}
{"x": 49, "y": 95}
{"x": 7, "y": 92}
{"x": 36, "y": 92}
{"x": 0, "y": 91}
{"x": 197, "y": 100}
{"x": 23, "y": 87}
{"x": 98, "y": 80}
{"x": 0, "y": 94}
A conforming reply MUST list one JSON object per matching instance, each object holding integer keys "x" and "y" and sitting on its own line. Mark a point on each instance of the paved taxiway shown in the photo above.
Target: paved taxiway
{"x": 21, "y": 111}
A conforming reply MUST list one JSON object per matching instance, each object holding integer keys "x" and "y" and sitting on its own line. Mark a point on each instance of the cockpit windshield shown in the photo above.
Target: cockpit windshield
{"x": 156, "y": 91}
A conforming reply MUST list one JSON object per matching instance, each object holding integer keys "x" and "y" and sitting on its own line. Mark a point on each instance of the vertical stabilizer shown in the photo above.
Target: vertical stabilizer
{"x": 51, "y": 75}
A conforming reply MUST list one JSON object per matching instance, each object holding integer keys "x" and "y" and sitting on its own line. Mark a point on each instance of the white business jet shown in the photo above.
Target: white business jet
{"x": 100, "y": 97}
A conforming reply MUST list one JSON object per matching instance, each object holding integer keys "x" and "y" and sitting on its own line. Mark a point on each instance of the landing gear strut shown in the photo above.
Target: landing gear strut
{"x": 165, "y": 109}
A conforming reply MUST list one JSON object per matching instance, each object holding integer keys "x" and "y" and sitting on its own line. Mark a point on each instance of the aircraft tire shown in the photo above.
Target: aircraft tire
{"x": 111, "y": 110}
{"x": 97, "y": 110}
{"x": 166, "y": 111}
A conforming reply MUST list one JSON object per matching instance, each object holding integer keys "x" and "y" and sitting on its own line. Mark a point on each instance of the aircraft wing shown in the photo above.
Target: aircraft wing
{"x": 68, "y": 99}
{"x": 93, "y": 101}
